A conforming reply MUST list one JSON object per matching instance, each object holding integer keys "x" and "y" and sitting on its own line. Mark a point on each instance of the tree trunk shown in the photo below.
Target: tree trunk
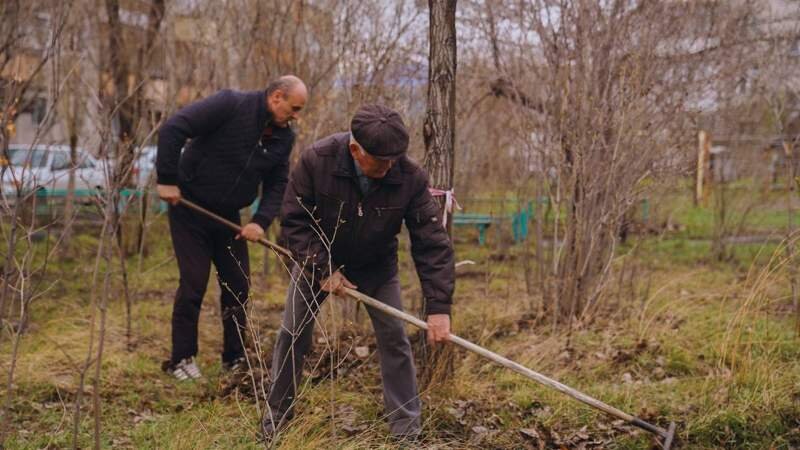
{"x": 439, "y": 136}
{"x": 69, "y": 202}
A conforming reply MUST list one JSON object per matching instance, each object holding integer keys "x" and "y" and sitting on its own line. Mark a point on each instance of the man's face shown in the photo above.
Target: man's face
{"x": 371, "y": 166}
{"x": 286, "y": 107}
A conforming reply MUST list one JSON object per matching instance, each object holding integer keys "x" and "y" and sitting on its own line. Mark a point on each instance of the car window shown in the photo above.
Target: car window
{"x": 86, "y": 162}
{"x": 11, "y": 152}
{"x": 19, "y": 157}
{"x": 60, "y": 161}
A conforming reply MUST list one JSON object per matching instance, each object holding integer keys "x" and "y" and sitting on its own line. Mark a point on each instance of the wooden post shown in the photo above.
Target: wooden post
{"x": 703, "y": 152}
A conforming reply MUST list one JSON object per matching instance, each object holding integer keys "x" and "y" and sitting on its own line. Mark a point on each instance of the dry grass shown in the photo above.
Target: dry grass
{"x": 708, "y": 346}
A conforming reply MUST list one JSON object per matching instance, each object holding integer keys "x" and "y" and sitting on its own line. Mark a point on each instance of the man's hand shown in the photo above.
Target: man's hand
{"x": 438, "y": 328}
{"x": 168, "y": 193}
{"x": 336, "y": 283}
{"x": 252, "y": 232}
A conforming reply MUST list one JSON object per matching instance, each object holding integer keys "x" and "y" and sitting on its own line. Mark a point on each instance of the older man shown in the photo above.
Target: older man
{"x": 239, "y": 141}
{"x": 347, "y": 199}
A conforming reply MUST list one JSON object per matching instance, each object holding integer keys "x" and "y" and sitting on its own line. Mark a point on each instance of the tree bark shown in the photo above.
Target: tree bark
{"x": 439, "y": 136}
{"x": 440, "y": 119}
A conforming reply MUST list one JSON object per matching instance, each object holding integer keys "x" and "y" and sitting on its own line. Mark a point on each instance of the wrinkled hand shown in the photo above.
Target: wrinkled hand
{"x": 336, "y": 283}
{"x": 252, "y": 232}
{"x": 168, "y": 193}
{"x": 438, "y": 328}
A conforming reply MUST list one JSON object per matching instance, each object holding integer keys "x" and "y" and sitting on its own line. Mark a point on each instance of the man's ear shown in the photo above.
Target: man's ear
{"x": 276, "y": 94}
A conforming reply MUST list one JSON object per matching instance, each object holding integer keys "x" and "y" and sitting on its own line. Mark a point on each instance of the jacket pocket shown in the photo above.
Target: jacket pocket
{"x": 430, "y": 212}
{"x": 388, "y": 219}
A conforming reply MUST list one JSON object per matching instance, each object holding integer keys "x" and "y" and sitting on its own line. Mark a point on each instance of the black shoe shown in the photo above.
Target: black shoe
{"x": 407, "y": 441}
{"x": 235, "y": 365}
{"x": 270, "y": 428}
{"x": 267, "y": 431}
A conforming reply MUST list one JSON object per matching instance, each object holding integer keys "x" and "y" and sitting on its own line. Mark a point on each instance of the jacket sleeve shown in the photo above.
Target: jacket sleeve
{"x": 273, "y": 187}
{"x": 272, "y": 192}
{"x": 432, "y": 251}
{"x": 197, "y": 119}
{"x": 299, "y": 220}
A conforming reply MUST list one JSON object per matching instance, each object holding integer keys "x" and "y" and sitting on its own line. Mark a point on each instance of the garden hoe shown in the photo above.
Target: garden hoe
{"x": 667, "y": 435}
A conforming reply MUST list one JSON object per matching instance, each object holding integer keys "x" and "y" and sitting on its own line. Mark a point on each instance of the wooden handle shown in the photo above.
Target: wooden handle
{"x": 272, "y": 246}
{"x": 505, "y": 362}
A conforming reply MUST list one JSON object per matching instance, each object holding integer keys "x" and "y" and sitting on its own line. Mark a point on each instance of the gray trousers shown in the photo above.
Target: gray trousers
{"x": 400, "y": 396}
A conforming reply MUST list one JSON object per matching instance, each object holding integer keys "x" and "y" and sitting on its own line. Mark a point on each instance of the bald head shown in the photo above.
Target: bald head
{"x": 286, "y": 97}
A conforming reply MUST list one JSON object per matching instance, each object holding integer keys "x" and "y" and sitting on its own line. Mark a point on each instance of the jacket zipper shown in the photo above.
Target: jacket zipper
{"x": 360, "y": 211}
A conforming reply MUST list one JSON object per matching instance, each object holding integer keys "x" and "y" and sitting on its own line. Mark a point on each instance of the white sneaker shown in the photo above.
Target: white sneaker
{"x": 185, "y": 369}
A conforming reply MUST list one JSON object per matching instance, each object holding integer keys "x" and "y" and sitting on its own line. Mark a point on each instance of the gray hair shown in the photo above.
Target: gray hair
{"x": 353, "y": 141}
{"x": 284, "y": 84}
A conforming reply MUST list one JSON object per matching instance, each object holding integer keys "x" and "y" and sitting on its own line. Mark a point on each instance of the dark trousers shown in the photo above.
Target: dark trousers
{"x": 198, "y": 241}
{"x": 400, "y": 397}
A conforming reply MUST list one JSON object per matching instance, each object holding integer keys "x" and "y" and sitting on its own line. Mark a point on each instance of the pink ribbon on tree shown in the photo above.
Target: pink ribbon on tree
{"x": 450, "y": 202}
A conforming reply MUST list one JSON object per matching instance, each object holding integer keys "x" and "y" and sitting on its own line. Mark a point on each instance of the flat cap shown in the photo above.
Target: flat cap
{"x": 380, "y": 131}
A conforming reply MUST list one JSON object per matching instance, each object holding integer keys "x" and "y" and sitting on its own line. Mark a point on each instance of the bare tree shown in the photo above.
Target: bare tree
{"x": 23, "y": 59}
{"x": 607, "y": 88}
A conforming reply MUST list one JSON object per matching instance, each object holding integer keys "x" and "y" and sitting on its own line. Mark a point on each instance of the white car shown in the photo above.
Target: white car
{"x": 143, "y": 166}
{"x": 47, "y": 167}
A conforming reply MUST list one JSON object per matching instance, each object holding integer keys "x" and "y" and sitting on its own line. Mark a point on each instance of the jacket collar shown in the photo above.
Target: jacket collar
{"x": 345, "y": 167}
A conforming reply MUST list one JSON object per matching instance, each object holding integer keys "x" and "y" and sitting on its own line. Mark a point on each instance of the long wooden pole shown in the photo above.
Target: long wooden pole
{"x": 519, "y": 368}
{"x": 275, "y": 247}
{"x": 463, "y": 343}
{"x": 703, "y": 178}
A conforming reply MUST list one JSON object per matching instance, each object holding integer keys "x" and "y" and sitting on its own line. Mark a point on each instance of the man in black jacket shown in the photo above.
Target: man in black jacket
{"x": 237, "y": 141}
{"x": 347, "y": 199}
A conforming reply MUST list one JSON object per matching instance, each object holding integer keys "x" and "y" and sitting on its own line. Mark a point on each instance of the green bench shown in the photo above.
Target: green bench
{"x": 50, "y": 197}
{"x": 519, "y": 220}
{"x": 480, "y": 221}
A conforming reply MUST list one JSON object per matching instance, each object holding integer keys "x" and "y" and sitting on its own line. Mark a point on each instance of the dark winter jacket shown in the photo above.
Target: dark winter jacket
{"x": 361, "y": 230}
{"x": 229, "y": 154}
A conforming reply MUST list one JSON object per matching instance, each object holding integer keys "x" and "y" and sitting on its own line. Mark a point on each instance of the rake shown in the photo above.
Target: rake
{"x": 667, "y": 435}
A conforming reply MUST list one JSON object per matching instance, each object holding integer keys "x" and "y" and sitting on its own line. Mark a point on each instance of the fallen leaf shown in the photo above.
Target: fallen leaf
{"x": 353, "y": 430}
{"x": 627, "y": 378}
{"x": 455, "y": 412}
{"x": 530, "y": 433}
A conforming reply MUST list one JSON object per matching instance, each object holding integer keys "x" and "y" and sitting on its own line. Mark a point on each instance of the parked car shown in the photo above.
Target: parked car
{"x": 144, "y": 165}
{"x": 47, "y": 167}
